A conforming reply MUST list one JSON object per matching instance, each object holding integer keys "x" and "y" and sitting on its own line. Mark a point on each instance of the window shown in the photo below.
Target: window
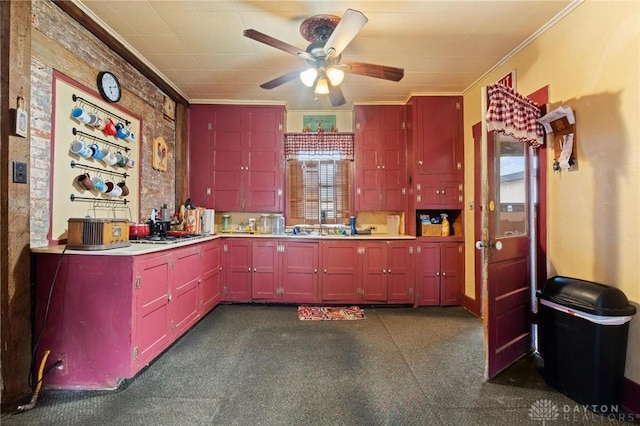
{"x": 318, "y": 191}
{"x": 319, "y": 174}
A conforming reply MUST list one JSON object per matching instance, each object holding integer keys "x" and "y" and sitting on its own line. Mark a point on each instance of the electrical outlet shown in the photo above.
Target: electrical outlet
{"x": 19, "y": 172}
{"x": 373, "y": 228}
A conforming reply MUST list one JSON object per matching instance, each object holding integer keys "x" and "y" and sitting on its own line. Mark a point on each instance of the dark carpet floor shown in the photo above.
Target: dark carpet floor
{"x": 260, "y": 365}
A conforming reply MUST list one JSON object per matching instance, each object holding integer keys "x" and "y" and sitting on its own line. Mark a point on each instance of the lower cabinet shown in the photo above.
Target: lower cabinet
{"x": 439, "y": 273}
{"x": 371, "y": 272}
{"x": 270, "y": 270}
{"x": 109, "y": 316}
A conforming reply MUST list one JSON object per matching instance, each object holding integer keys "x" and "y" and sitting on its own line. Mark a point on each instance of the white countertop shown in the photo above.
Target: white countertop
{"x": 136, "y": 249}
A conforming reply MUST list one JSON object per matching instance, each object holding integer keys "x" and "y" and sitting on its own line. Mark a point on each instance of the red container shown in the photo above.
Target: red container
{"x": 138, "y": 230}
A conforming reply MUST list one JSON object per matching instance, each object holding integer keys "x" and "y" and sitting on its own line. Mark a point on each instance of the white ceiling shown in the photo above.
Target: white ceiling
{"x": 443, "y": 46}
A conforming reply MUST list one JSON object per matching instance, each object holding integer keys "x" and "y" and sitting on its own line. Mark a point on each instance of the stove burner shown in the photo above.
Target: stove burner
{"x": 163, "y": 239}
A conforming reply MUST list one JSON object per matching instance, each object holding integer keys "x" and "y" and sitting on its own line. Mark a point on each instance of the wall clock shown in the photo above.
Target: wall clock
{"x": 109, "y": 86}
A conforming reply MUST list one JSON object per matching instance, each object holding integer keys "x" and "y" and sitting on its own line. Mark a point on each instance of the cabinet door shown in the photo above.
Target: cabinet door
{"x": 300, "y": 272}
{"x": 184, "y": 296}
{"x": 373, "y": 286}
{"x": 200, "y": 177}
{"x": 237, "y": 270}
{"x": 439, "y": 141}
{"x": 439, "y": 192}
{"x": 380, "y": 158}
{"x": 400, "y": 275}
{"x": 228, "y": 158}
{"x": 428, "y": 274}
{"x": 340, "y": 271}
{"x": 210, "y": 287}
{"x": 451, "y": 279}
{"x": 367, "y": 158}
{"x": 152, "y": 314}
{"x": 265, "y": 277}
{"x": 264, "y": 159}
{"x": 393, "y": 158}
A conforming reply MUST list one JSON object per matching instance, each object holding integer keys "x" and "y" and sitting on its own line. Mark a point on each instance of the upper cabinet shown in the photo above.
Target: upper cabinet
{"x": 436, "y": 126}
{"x": 236, "y": 157}
{"x": 380, "y": 157}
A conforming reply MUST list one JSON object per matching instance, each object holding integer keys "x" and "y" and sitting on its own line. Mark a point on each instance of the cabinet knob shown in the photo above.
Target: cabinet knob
{"x": 249, "y": 269}
{"x": 437, "y": 274}
{"x": 388, "y": 271}
{"x": 241, "y": 167}
{"x": 384, "y": 271}
{"x": 315, "y": 271}
{"x": 442, "y": 192}
{"x": 254, "y": 269}
{"x": 325, "y": 271}
{"x": 420, "y": 162}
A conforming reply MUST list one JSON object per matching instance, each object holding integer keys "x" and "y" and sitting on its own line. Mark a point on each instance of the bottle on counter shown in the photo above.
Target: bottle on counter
{"x": 352, "y": 222}
{"x": 226, "y": 223}
{"x": 165, "y": 213}
{"x": 446, "y": 230}
{"x": 277, "y": 226}
{"x": 264, "y": 224}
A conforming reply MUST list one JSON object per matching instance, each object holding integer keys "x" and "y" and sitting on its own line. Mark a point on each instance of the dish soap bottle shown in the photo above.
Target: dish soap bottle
{"x": 446, "y": 230}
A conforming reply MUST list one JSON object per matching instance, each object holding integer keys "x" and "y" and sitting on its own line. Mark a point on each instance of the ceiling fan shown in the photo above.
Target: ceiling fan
{"x": 329, "y": 36}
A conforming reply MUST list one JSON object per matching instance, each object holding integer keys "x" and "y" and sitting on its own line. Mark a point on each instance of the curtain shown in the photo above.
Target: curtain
{"x": 318, "y": 146}
{"x": 514, "y": 115}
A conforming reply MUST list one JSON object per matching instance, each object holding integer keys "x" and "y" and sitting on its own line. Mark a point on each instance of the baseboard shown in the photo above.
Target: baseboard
{"x": 472, "y": 306}
{"x": 631, "y": 397}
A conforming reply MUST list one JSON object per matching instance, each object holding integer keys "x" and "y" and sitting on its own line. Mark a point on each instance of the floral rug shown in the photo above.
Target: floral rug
{"x": 322, "y": 313}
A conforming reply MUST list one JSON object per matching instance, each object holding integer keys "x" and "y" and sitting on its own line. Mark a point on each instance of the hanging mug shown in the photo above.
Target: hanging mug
{"x": 113, "y": 190}
{"x": 121, "y": 131}
{"x": 78, "y": 113}
{"x": 124, "y": 187}
{"x": 84, "y": 181}
{"x": 97, "y": 152}
{"x": 99, "y": 184}
{"x": 79, "y": 148}
{"x": 123, "y": 160}
{"x": 110, "y": 128}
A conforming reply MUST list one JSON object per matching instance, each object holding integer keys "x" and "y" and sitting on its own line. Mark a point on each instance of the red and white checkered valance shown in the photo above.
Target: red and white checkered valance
{"x": 318, "y": 145}
{"x": 514, "y": 115}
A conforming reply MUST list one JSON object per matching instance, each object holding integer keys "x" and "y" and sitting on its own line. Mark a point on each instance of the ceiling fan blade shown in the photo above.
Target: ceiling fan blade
{"x": 285, "y": 78}
{"x": 335, "y": 95}
{"x": 273, "y": 42}
{"x": 349, "y": 26}
{"x": 372, "y": 70}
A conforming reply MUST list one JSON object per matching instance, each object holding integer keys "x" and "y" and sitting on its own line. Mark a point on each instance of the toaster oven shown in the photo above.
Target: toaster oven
{"x": 97, "y": 234}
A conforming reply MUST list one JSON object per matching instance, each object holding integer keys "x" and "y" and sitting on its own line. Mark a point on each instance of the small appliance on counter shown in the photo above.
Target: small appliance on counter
{"x": 208, "y": 222}
{"x": 97, "y": 234}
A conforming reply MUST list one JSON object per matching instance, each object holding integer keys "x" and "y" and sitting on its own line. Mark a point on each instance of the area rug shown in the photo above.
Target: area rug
{"x": 322, "y": 313}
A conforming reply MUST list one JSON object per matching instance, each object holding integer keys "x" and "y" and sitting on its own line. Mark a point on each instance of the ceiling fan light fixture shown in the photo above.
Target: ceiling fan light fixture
{"x": 335, "y": 76}
{"x": 322, "y": 86}
{"x": 308, "y": 76}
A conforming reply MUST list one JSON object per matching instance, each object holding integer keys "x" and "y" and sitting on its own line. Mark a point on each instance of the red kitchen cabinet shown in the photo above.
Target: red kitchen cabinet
{"x": 152, "y": 313}
{"x": 184, "y": 294}
{"x": 236, "y": 157}
{"x": 285, "y": 271}
{"x": 300, "y": 272}
{"x": 236, "y": 270}
{"x": 439, "y": 273}
{"x": 380, "y": 158}
{"x": 110, "y": 315}
{"x": 439, "y": 192}
{"x": 400, "y": 272}
{"x": 438, "y": 137}
{"x": 211, "y": 286}
{"x": 340, "y": 271}
{"x": 373, "y": 285}
{"x": 265, "y": 272}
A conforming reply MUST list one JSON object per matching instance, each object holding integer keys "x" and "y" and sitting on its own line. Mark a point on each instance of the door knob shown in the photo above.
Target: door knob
{"x": 496, "y": 245}
{"x": 479, "y": 245}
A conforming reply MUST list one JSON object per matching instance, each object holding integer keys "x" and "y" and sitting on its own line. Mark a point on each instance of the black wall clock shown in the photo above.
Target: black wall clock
{"x": 109, "y": 86}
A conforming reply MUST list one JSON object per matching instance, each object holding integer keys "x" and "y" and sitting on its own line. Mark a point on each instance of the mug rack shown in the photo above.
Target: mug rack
{"x": 97, "y": 139}
{"x": 97, "y": 169}
{"x": 83, "y": 100}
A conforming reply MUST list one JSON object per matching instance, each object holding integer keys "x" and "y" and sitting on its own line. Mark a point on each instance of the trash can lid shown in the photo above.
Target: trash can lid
{"x": 587, "y": 296}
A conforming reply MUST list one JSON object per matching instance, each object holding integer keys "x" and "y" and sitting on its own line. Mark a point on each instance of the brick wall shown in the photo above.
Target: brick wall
{"x": 61, "y": 44}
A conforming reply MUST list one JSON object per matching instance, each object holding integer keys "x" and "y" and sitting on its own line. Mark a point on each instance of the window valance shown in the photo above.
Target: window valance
{"x": 318, "y": 146}
{"x": 514, "y": 115}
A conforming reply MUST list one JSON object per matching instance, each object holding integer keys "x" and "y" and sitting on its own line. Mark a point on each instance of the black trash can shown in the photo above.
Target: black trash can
{"x": 582, "y": 330}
